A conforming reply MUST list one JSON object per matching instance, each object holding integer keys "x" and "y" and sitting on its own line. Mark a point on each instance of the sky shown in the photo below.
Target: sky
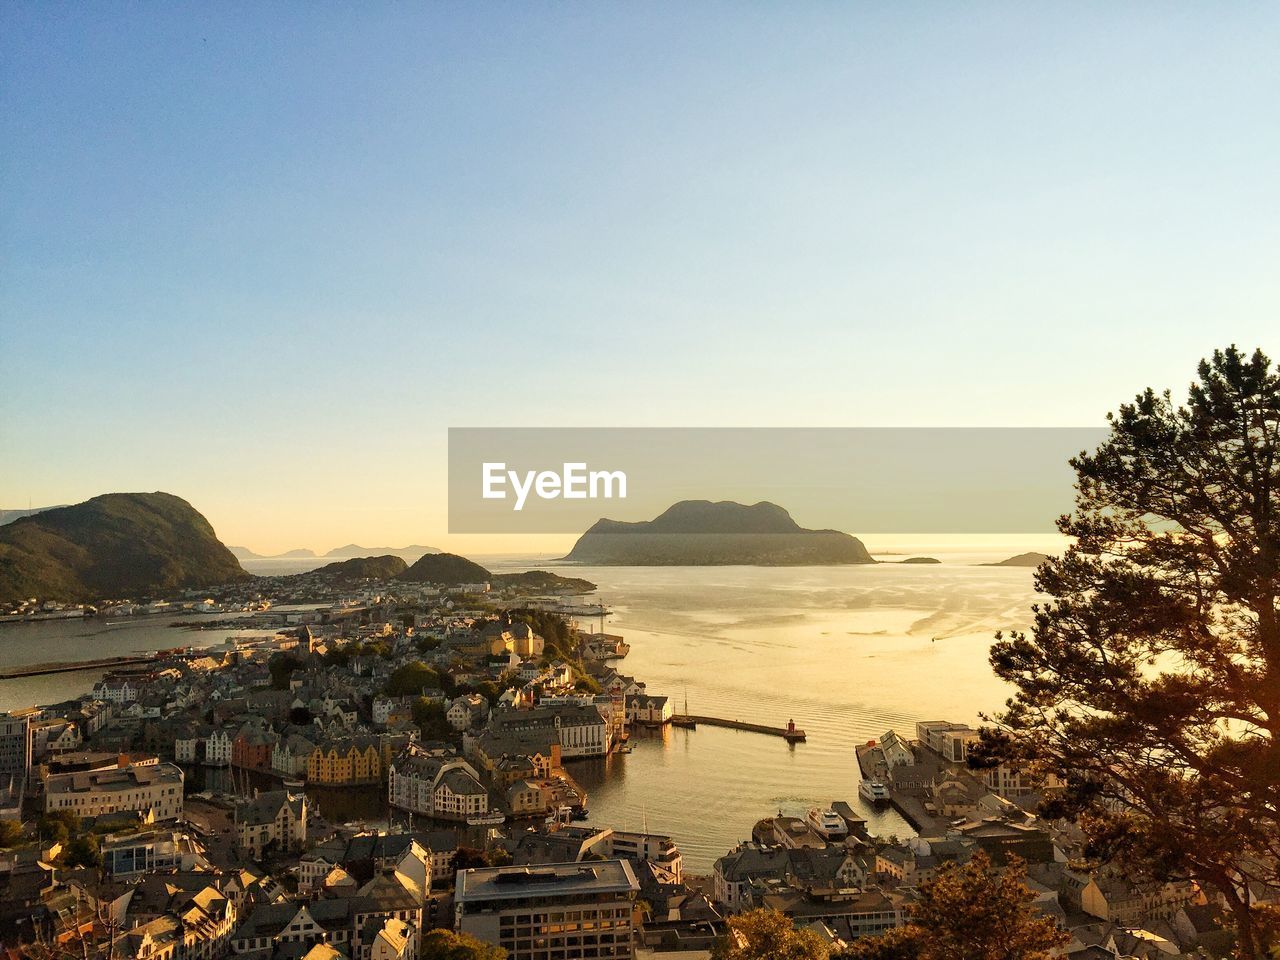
{"x": 263, "y": 255}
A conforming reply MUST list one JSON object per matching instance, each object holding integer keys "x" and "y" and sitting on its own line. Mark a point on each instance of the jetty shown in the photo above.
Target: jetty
{"x": 791, "y": 733}
{"x": 71, "y": 666}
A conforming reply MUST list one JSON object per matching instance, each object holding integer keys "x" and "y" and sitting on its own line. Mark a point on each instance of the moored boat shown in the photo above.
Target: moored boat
{"x": 826, "y": 823}
{"x": 873, "y": 791}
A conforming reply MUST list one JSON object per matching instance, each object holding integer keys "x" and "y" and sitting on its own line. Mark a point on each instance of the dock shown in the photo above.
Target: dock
{"x": 791, "y": 733}
{"x": 71, "y": 666}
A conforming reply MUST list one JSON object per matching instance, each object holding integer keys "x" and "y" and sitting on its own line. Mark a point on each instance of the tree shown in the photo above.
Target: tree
{"x": 411, "y": 679}
{"x": 970, "y": 912}
{"x": 300, "y": 716}
{"x": 281, "y": 667}
{"x": 59, "y": 825}
{"x": 10, "y": 833}
{"x": 431, "y": 720}
{"x": 447, "y": 945}
{"x": 1150, "y": 679}
{"x": 83, "y": 851}
{"x": 767, "y": 935}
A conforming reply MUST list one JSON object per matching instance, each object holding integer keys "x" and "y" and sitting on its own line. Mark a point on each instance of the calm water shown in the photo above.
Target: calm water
{"x": 50, "y": 641}
{"x": 848, "y": 652}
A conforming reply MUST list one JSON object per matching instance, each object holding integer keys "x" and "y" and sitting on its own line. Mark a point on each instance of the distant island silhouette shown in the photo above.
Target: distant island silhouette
{"x": 706, "y": 533}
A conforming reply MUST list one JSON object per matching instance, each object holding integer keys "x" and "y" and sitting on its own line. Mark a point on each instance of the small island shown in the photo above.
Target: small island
{"x": 1030, "y": 559}
{"x": 703, "y": 533}
{"x": 920, "y": 560}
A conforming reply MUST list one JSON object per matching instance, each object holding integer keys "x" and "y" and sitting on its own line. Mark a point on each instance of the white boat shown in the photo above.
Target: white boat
{"x": 873, "y": 791}
{"x": 829, "y": 824}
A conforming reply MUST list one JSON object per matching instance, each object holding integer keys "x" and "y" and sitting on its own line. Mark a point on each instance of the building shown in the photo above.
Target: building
{"x": 581, "y": 729}
{"x": 276, "y": 819}
{"x": 252, "y": 748}
{"x": 147, "y": 852}
{"x": 292, "y": 755}
{"x": 351, "y": 925}
{"x": 15, "y": 742}
{"x": 346, "y": 760}
{"x": 555, "y": 912}
{"x": 950, "y": 740}
{"x": 648, "y": 711}
{"x": 446, "y": 787}
{"x": 217, "y": 749}
{"x": 154, "y": 789}
{"x": 467, "y": 711}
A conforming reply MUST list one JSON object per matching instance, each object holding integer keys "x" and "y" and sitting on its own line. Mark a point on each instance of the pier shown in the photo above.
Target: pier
{"x": 40, "y": 669}
{"x": 791, "y": 733}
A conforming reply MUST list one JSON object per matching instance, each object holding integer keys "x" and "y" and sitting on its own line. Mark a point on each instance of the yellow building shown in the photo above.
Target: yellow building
{"x": 348, "y": 760}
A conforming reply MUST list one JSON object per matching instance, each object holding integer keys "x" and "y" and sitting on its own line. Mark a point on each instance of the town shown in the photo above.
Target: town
{"x": 357, "y": 778}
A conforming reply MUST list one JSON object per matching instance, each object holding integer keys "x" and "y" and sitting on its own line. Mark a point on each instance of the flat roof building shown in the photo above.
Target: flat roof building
{"x": 91, "y": 793}
{"x": 561, "y": 911}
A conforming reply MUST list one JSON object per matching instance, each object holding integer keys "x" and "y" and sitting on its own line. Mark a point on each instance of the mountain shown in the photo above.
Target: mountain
{"x": 115, "y": 545}
{"x": 364, "y": 568}
{"x": 446, "y": 568}
{"x": 1021, "y": 560}
{"x": 244, "y": 553}
{"x": 8, "y": 516}
{"x": 301, "y": 553}
{"x": 701, "y": 533}
{"x": 409, "y": 554}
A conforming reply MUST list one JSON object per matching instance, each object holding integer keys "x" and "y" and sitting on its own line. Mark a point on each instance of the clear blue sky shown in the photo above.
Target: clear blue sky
{"x": 262, "y": 255}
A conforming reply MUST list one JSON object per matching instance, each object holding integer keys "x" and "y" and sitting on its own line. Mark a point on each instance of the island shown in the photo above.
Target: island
{"x": 1030, "y": 559}
{"x": 449, "y": 569}
{"x": 920, "y": 560}
{"x": 706, "y": 533}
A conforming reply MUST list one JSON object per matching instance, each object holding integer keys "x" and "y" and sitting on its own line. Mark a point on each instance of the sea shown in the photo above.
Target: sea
{"x": 846, "y": 652}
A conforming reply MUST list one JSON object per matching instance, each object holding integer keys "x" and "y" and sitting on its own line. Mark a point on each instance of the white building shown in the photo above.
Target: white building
{"x": 217, "y": 749}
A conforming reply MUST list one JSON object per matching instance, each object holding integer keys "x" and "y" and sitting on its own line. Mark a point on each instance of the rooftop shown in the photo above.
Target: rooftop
{"x": 557, "y": 880}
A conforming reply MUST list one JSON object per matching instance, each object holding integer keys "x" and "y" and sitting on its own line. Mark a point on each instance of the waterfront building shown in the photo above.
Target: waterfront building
{"x": 554, "y": 912}
{"x": 447, "y": 787}
{"x": 949, "y": 740}
{"x": 896, "y": 750}
{"x": 292, "y": 755}
{"x": 252, "y": 748}
{"x": 581, "y": 729}
{"x": 217, "y": 749}
{"x": 153, "y": 789}
{"x": 648, "y": 711}
{"x": 348, "y": 760}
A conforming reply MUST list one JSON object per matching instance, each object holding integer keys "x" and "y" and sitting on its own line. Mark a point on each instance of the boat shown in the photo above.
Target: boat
{"x": 683, "y": 719}
{"x": 873, "y": 791}
{"x": 827, "y": 823}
